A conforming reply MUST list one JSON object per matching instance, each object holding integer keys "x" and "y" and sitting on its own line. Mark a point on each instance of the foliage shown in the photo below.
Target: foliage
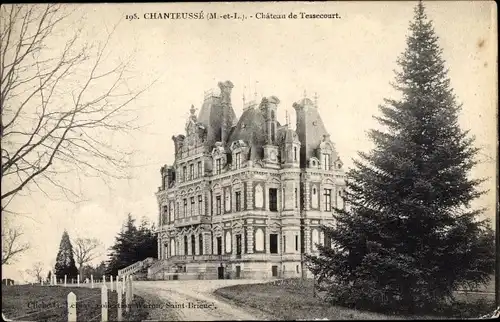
{"x": 409, "y": 237}
{"x": 65, "y": 261}
{"x": 132, "y": 244}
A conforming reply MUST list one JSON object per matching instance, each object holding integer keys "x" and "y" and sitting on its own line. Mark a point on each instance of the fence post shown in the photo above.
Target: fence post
{"x": 104, "y": 279}
{"x": 132, "y": 288}
{"x": 41, "y": 283}
{"x": 111, "y": 280}
{"x": 92, "y": 280}
{"x": 104, "y": 303}
{"x": 78, "y": 279}
{"x": 127, "y": 295}
{"x": 120, "y": 300}
{"x": 123, "y": 284}
{"x": 117, "y": 282}
{"x": 55, "y": 280}
{"x": 65, "y": 280}
{"x": 71, "y": 307}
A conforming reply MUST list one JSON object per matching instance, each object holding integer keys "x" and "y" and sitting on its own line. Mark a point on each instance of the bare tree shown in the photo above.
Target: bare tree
{"x": 36, "y": 271}
{"x": 62, "y": 101}
{"x": 12, "y": 244}
{"x": 86, "y": 250}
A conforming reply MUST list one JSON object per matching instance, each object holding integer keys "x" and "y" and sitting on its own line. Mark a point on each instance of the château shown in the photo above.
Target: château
{"x": 245, "y": 197}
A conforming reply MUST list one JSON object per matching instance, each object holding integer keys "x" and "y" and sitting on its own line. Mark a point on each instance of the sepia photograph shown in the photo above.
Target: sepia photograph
{"x": 294, "y": 160}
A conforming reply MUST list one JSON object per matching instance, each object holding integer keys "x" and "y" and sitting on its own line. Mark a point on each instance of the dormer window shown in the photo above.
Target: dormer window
{"x": 218, "y": 166}
{"x": 326, "y": 161}
{"x": 237, "y": 160}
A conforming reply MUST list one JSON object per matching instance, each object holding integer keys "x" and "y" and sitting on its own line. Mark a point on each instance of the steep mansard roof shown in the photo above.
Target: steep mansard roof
{"x": 310, "y": 128}
{"x": 212, "y": 113}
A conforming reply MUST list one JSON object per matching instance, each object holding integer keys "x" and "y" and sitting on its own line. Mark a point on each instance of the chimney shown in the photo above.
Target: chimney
{"x": 225, "y": 100}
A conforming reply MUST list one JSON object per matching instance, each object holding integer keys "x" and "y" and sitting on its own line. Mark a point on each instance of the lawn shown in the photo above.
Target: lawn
{"x": 293, "y": 299}
{"x": 49, "y": 303}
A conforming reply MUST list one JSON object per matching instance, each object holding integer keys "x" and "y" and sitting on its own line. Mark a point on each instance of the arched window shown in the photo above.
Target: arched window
{"x": 314, "y": 198}
{"x": 227, "y": 200}
{"x": 228, "y": 242}
{"x": 259, "y": 240}
{"x": 172, "y": 247}
{"x": 315, "y": 239}
{"x": 259, "y": 196}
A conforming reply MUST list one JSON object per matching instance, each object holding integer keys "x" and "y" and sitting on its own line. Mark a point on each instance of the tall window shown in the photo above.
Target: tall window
{"x": 237, "y": 160}
{"x": 184, "y": 173}
{"x": 171, "y": 211}
{"x": 328, "y": 199}
{"x": 199, "y": 174}
{"x": 191, "y": 210}
{"x": 294, "y": 153}
{"x": 295, "y": 197}
{"x": 200, "y": 205}
{"x": 217, "y": 205}
{"x": 185, "y": 207}
{"x": 238, "y": 200}
{"x": 283, "y": 198}
{"x": 200, "y": 244}
{"x": 218, "y": 166}
{"x": 191, "y": 171}
{"x": 273, "y": 199}
{"x": 165, "y": 215}
{"x": 326, "y": 161}
{"x": 185, "y": 245}
{"x": 296, "y": 242}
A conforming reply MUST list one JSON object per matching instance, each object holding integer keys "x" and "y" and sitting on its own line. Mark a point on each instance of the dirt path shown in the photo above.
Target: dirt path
{"x": 192, "y": 301}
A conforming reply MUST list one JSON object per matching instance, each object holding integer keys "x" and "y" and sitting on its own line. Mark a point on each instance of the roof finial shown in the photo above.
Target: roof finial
{"x": 316, "y": 99}
{"x": 287, "y": 120}
{"x": 305, "y": 94}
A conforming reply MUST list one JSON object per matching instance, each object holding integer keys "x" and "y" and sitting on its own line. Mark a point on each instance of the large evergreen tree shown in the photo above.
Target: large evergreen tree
{"x": 65, "y": 260}
{"x": 132, "y": 245}
{"x": 408, "y": 237}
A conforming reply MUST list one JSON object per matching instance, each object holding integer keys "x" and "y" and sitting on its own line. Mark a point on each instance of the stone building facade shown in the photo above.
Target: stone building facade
{"x": 245, "y": 197}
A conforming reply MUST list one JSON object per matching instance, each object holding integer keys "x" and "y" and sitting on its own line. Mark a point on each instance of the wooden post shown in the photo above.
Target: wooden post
{"x": 111, "y": 280}
{"x": 71, "y": 307}
{"x": 123, "y": 284}
{"x": 104, "y": 279}
{"x": 127, "y": 295}
{"x": 117, "y": 282}
{"x": 55, "y": 280}
{"x": 41, "y": 282}
{"x": 92, "y": 281}
{"x": 120, "y": 300}
{"x": 78, "y": 279}
{"x": 131, "y": 287}
{"x": 65, "y": 280}
{"x": 104, "y": 303}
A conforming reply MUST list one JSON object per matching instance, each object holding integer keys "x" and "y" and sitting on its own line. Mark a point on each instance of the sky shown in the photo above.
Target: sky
{"x": 348, "y": 63}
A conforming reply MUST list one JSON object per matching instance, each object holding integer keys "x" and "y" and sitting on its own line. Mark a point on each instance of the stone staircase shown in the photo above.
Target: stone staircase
{"x": 138, "y": 269}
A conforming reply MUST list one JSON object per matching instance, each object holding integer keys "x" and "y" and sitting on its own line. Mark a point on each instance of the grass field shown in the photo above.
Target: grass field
{"x": 294, "y": 300}
{"x": 49, "y": 303}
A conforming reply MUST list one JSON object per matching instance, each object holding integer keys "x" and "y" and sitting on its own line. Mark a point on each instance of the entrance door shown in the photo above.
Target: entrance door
{"x": 238, "y": 246}
{"x": 220, "y": 272}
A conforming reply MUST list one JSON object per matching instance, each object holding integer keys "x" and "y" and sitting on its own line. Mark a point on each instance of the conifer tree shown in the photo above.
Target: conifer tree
{"x": 409, "y": 237}
{"x": 65, "y": 260}
{"x": 132, "y": 245}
